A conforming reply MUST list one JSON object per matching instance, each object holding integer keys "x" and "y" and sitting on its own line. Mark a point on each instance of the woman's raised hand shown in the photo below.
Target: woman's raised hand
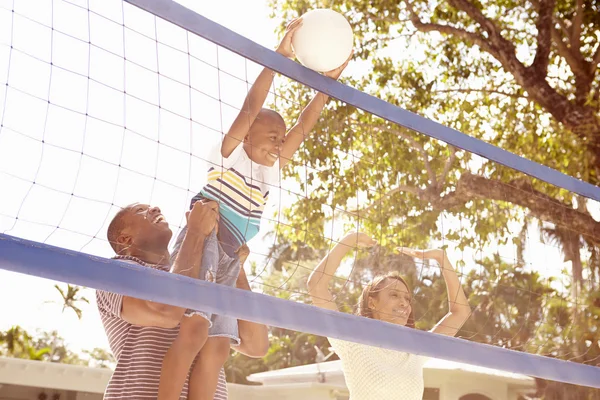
{"x": 358, "y": 239}
{"x": 430, "y": 254}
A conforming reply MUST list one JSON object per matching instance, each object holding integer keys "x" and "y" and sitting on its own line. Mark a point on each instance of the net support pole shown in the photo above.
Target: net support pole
{"x": 45, "y": 261}
{"x": 226, "y": 38}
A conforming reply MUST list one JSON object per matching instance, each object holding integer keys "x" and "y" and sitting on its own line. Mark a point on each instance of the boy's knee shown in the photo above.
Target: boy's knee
{"x": 216, "y": 350}
{"x": 193, "y": 332}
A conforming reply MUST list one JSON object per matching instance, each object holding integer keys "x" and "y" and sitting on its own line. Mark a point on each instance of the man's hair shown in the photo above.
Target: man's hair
{"x": 115, "y": 228}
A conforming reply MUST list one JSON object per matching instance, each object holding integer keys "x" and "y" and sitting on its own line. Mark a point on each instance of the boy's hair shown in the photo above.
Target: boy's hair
{"x": 272, "y": 114}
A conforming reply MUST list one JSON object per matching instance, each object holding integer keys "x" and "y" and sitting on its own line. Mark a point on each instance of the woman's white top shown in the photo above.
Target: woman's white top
{"x": 373, "y": 373}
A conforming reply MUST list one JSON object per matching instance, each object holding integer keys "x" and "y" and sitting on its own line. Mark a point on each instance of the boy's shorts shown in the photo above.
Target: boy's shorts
{"x": 220, "y": 268}
{"x": 227, "y": 239}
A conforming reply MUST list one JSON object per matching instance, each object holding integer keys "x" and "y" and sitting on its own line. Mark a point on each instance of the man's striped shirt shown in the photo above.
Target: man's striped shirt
{"x": 139, "y": 351}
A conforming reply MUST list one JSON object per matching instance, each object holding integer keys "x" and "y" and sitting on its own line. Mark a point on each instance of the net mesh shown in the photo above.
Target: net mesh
{"x": 103, "y": 105}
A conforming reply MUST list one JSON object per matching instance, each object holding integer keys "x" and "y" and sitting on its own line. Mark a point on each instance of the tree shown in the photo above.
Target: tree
{"x": 512, "y": 307}
{"x": 50, "y": 347}
{"x": 286, "y": 278}
{"x": 100, "y": 358}
{"x": 71, "y": 298}
{"x": 14, "y": 340}
{"x": 17, "y": 342}
{"x": 518, "y": 77}
{"x": 522, "y": 75}
{"x": 56, "y": 349}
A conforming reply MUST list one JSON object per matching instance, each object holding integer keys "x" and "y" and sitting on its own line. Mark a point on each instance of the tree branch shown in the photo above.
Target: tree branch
{"x": 595, "y": 60}
{"x": 475, "y": 13}
{"x": 544, "y": 37}
{"x": 488, "y": 91}
{"x": 448, "y": 30}
{"x": 520, "y": 192}
{"x": 503, "y": 50}
{"x": 399, "y": 188}
{"x": 447, "y": 166}
{"x": 582, "y": 69}
{"x": 565, "y": 52}
{"x": 576, "y": 28}
{"x": 559, "y": 21}
{"x": 386, "y": 38}
{"x": 579, "y": 118}
{"x": 384, "y": 18}
{"x": 416, "y": 145}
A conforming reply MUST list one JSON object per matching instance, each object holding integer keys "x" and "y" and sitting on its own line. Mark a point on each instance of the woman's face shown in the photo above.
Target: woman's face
{"x": 391, "y": 303}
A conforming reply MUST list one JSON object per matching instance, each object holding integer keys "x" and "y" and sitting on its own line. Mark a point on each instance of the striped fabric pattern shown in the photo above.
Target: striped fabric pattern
{"x": 241, "y": 187}
{"x": 139, "y": 351}
{"x": 241, "y": 204}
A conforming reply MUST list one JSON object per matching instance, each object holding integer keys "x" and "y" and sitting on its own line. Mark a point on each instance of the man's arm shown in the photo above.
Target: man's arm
{"x": 201, "y": 221}
{"x": 307, "y": 120}
{"x": 254, "y": 337}
{"x": 256, "y": 96}
{"x": 147, "y": 313}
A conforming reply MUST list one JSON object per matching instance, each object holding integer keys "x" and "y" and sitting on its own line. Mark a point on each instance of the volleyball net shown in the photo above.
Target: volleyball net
{"x": 111, "y": 103}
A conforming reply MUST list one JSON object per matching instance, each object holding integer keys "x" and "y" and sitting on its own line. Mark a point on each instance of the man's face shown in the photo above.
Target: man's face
{"x": 147, "y": 227}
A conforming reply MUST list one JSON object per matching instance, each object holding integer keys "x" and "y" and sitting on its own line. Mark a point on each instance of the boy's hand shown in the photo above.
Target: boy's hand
{"x": 285, "y": 47}
{"x": 243, "y": 252}
{"x": 335, "y": 74}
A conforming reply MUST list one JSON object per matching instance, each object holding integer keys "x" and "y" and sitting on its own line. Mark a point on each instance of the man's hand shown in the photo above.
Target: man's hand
{"x": 243, "y": 252}
{"x": 203, "y": 217}
{"x": 285, "y": 47}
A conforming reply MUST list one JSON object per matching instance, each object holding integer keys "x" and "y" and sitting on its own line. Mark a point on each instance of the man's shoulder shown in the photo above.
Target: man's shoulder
{"x": 108, "y": 303}
{"x": 137, "y": 261}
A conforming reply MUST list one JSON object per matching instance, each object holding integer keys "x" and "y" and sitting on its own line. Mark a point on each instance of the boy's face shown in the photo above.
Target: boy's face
{"x": 265, "y": 138}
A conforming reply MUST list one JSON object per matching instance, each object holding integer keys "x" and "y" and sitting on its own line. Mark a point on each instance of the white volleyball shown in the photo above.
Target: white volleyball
{"x": 324, "y": 41}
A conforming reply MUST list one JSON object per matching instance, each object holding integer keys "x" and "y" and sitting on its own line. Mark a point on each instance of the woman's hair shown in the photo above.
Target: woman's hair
{"x": 372, "y": 290}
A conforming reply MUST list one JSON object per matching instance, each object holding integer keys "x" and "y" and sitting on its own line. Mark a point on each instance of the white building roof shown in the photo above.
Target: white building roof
{"x": 16, "y": 371}
{"x": 435, "y": 363}
{"x": 333, "y": 371}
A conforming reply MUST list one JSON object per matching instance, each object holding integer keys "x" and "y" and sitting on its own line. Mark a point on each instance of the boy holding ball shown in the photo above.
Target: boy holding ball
{"x": 242, "y": 170}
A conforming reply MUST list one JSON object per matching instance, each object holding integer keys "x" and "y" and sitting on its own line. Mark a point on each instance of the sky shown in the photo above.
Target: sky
{"x": 57, "y": 166}
{"x": 91, "y": 174}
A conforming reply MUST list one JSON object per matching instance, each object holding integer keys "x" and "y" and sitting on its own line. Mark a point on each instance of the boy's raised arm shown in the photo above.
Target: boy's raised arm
{"x": 256, "y": 96}
{"x": 307, "y": 120}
